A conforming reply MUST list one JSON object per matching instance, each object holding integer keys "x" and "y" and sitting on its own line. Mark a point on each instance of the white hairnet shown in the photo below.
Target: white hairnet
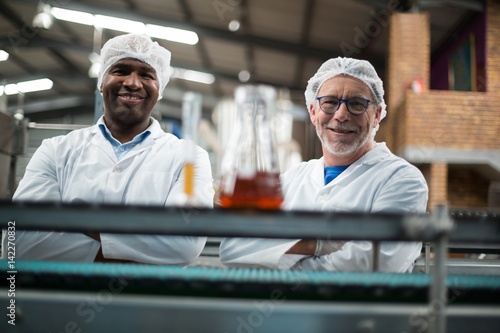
{"x": 139, "y": 47}
{"x": 360, "y": 69}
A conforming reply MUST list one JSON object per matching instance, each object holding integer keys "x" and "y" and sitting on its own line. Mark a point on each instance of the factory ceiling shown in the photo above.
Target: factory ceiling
{"x": 278, "y": 42}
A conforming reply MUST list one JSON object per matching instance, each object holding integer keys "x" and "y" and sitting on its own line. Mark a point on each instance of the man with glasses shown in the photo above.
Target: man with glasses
{"x": 345, "y": 100}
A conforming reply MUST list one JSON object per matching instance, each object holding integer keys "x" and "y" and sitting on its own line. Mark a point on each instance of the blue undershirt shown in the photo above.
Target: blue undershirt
{"x": 331, "y": 172}
{"x": 119, "y": 148}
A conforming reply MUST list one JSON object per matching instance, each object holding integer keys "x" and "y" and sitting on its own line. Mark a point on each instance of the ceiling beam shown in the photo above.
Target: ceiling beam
{"x": 304, "y": 38}
{"x": 78, "y": 76}
{"x": 20, "y": 24}
{"x": 202, "y": 30}
{"x": 300, "y": 49}
{"x": 58, "y": 103}
{"x": 473, "y": 5}
{"x": 130, "y": 4}
{"x": 202, "y": 51}
{"x": 249, "y": 52}
{"x": 170, "y": 106}
{"x": 11, "y": 15}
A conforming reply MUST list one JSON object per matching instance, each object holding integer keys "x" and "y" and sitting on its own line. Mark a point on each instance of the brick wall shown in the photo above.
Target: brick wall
{"x": 451, "y": 119}
{"x": 408, "y": 60}
{"x": 493, "y": 48}
{"x": 442, "y": 119}
{"x": 467, "y": 189}
{"x": 438, "y": 183}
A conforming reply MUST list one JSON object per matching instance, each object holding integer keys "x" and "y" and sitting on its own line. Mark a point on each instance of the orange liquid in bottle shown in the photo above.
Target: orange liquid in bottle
{"x": 189, "y": 178}
{"x": 262, "y": 191}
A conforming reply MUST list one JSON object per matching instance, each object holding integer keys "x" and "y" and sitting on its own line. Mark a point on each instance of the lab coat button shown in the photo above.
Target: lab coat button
{"x": 117, "y": 169}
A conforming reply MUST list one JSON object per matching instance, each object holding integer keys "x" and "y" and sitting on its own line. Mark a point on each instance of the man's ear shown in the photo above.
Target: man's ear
{"x": 312, "y": 113}
{"x": 378, "y": 115}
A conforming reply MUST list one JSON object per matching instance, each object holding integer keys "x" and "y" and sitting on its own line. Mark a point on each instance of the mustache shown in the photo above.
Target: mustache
{"x": 342, "y": 127}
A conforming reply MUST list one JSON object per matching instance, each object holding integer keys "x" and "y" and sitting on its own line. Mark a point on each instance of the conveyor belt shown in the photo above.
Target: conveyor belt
{"x": 248, "y": 283}
{"x": 126, "y": 298}
{"x": 472, "y": 228}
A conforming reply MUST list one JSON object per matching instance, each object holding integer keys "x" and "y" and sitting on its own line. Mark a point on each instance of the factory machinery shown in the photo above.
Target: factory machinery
{"x": 105, "y": 297}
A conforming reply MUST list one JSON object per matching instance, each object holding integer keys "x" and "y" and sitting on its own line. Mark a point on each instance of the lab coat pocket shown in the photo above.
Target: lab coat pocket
{"x": 151, "y": 187}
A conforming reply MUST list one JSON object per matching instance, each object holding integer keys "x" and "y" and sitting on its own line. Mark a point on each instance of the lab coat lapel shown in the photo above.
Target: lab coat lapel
{"x": 374, "y": 156}
{"x": 100, "y": 142}
{"x": 318, "y": 174}
{"x": 148, "y": 142}
{"x": 144, "y": 145}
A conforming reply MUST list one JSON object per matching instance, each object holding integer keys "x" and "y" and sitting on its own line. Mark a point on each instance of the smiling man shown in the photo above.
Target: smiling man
{"x": 126, "y": 158}
{"x": 345, "y": 100}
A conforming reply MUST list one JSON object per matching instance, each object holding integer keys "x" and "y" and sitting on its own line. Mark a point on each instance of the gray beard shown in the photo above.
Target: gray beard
{"x": 342, "y": 149}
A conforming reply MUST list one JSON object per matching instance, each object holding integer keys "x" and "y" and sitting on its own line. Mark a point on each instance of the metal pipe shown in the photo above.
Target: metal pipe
{"x": 438, "y": 291}
{"x": 376, "y": 256}
{"x": 63, "y": 127}
{"x": 427, "y": 257}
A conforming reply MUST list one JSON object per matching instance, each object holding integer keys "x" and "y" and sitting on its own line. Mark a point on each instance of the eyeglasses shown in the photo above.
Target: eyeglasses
{"x": 356, "y": 106}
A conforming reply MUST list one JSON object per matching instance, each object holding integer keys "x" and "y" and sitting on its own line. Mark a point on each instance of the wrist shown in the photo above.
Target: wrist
{"x": 317, "y": 249}
{"x": 304, "y": 247}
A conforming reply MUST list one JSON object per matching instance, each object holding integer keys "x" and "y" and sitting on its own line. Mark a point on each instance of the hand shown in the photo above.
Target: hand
{"x": 93, "y": 235}
{"x": 100, "y": 258}
{"x": 324, "y": 247}
{"x": 303, "y": 247}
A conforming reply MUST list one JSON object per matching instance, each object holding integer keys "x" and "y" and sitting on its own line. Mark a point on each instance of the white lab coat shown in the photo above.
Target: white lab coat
{"x": 378, "y": 182}
{"x": 82, "y": 167}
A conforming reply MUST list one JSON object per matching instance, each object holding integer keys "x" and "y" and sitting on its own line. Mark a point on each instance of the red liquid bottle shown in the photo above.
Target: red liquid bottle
{"x": 262, "y": 191}
{"x": 250, "y": 170}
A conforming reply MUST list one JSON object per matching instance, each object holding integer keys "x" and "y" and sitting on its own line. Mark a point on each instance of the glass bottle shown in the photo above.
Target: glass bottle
{"x": 191, "y": 113}
{"x": 250, "y": 170}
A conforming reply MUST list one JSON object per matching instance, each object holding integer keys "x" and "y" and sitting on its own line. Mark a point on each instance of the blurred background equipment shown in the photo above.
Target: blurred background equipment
{"x": 13, "y": 144}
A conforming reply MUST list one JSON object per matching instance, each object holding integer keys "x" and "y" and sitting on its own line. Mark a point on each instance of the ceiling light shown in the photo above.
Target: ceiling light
{"x": 194, "y": 76}
{"x": 27, "y": 86}
{"x": 234, "y": 25}
{"x": 43, "y": 18}
{"x": 172, "y": 34}
{"x": 72, "y": 16}
{"x": 94, "y": 68}
{"x": 3, "y": 55}
{"x": 115, "y": 23}
{"x": 119, "y": 24}
{"x": 11, "y": 89}
{"x": 244, "y": 75}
